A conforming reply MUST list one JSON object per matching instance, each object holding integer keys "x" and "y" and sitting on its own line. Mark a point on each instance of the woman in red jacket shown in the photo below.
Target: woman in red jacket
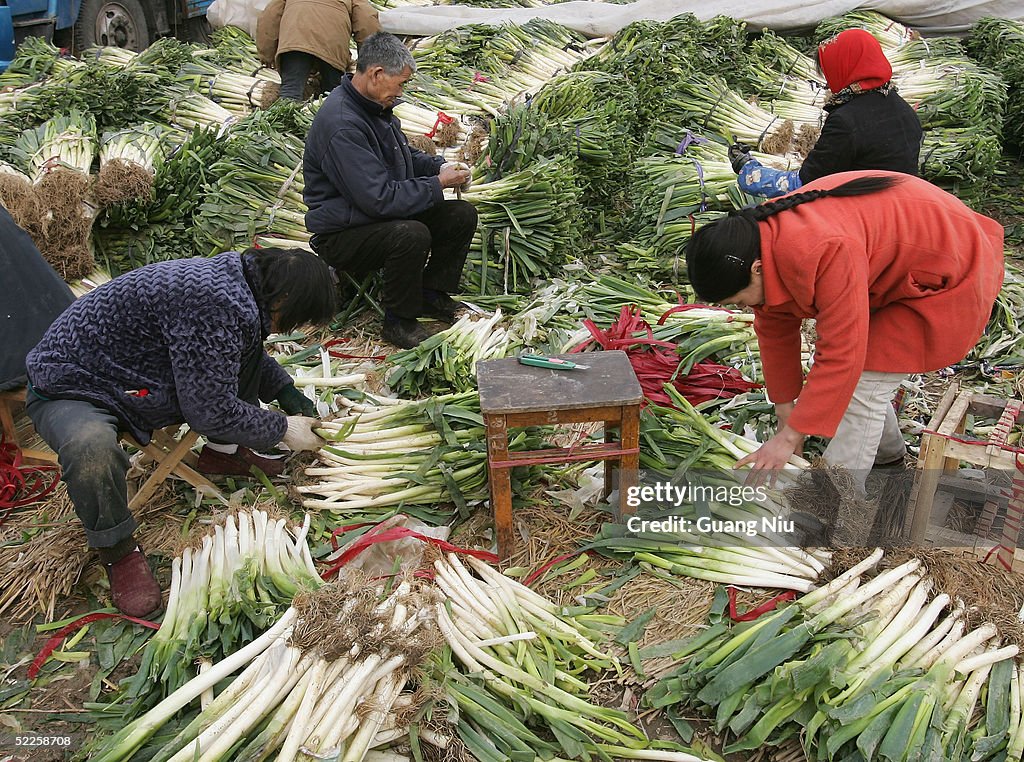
{"x": 900, "y": 277}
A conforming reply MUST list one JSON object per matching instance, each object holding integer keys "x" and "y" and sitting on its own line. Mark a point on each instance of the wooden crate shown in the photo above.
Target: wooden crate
{"x": 943, "y": 448}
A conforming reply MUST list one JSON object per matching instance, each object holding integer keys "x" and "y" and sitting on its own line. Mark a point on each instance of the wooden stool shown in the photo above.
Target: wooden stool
{"x": 12, "y": 401}
{"x": 172, "y": 456}
{"x": 943, "y": 448}
{"x": 519, "y": 395}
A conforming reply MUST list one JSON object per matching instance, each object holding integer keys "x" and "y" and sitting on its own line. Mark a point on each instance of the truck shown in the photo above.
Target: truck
{"x": 78, "y": 24}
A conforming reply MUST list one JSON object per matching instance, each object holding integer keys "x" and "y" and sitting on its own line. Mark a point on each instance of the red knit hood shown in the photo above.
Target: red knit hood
{"x": 853, "y": 56}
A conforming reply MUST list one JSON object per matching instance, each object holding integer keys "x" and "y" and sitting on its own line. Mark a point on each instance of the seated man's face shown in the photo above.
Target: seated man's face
{"x": 385, "y": 88}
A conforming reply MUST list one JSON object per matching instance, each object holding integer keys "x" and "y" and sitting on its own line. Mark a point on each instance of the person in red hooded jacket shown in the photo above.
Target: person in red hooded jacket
{"x": 869, "y": 126}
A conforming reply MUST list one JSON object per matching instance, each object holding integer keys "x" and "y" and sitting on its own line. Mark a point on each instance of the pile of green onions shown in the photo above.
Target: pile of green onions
{"x": 446, "y": 362}
{"x": 999, "y": 44}
{"x": 223, "y": 592}
{"x": 255, "y": 189}
{"x": 528, "y": 227}
{"x": 387, "y": 453}
{"x": 128, "y": 161}
{"x": 327, "y": 680}
{"x": 517, "y": 677}
{"x": 238, "y": 93}
{"x": 861, "y": 667}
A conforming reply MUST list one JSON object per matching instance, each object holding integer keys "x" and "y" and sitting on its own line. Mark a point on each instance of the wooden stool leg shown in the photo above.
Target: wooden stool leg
{"x": 500, "y": 483}
{"x": 926, "y": 481}
{"x": 168, "y": 462}
{"x": 610, "y": 464}
{"x": 629, "y": 465}
{"x": 7, "y": 421}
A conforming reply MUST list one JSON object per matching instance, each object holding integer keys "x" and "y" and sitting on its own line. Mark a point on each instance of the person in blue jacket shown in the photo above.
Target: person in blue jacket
{"x": 869, "y": 126}
{"x": 173, "y": 342}
{"x": 377, "y": 203}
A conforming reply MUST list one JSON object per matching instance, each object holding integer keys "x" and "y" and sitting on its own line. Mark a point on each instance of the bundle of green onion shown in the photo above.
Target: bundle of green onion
{"x": 528, "y": 227}
{"x": 128, "y": 161}
{"x": 223, "y": 593}
{"x": 189, "y": 109}
{"x": 516, "y": 673}
{"x": 387, "y": 453}
{"x": 446, "y": 362}
{"x": 444, "y": 129}
{"x": 327, "y": 680}
{"x": 58, "y": 155}
{"x": 953, "y": 157}
{"x": 667, "y": 190}
{"x": 235, "y": 50}
{"x": 999, "y": 44}
{"x": 860, "y": 668}
{"x": 255, "y": 189}
{"x": 1003, "y": 340}
{"x": 238, "y": 93}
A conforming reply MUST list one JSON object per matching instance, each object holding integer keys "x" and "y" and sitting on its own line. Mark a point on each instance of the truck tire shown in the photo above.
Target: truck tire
{"x": 120, "y": 23}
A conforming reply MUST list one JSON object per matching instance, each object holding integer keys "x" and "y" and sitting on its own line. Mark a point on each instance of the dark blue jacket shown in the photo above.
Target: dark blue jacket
{"x": 358, "y": 167}
{"x": 180, "y": 330}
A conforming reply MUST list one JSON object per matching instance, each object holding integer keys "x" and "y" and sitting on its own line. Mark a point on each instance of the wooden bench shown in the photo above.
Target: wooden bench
{"x": 515, "y": 395}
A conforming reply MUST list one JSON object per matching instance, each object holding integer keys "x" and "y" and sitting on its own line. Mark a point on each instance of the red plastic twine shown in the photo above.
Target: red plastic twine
{"x": 657, "y": 362}
{"x": 373, "y": 537}
{"x": 534, "y": 576}
{"x": 442, "y": 118}
{"x": 754, "y": 613}
{"x": 63, "y": 632}
{"x": 20, "y": 484}
{"x": 344, "y": 356}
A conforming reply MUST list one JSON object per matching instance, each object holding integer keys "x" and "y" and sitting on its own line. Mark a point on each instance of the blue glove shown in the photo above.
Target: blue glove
{"x": 759, "y": 180}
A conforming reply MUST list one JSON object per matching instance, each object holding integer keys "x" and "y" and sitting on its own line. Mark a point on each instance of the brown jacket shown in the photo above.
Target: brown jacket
{"x": 321, "y": 28}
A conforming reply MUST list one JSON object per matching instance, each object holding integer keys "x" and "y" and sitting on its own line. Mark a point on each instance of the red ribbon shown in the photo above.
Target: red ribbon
{"x": 442, "y": 118}
{"x": 373, "y": 537}
{"x": 20, "y": 484}
{"x": 344, "y": 356}
{"x": 534, "y": 576}
{"x": 63, "y": 632}
{"x": 754, "y": 613}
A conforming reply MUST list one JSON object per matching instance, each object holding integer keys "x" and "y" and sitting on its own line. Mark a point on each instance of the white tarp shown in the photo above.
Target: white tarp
{"x": 597, "y": 19}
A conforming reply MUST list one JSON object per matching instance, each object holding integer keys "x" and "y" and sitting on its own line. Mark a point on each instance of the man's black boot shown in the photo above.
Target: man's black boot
{"x": 404, "y": 332}
{"x": 440, "y": 306}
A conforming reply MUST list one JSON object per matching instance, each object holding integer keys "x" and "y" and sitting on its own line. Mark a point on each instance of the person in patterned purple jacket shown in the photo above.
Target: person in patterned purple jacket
{"x": 173, "y": 342}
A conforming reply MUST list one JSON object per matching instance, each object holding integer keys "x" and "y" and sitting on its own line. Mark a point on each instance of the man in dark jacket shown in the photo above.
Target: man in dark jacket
{"x": 869, "y": 126}
{"x": 173, "y": 342}
{"x": 375, "y": 202}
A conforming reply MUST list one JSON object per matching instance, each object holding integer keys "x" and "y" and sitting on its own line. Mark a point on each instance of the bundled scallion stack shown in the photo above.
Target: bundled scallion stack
{"x": 388, "y": 452}
{"x": 58, "y": 156}
{"x": 128, "y": 161}
{"x": 223, "y": 593}
{"x": 999, "y": 44}
{"x": 329, "y": 678}
{"x": 529, "y": 227}
{"x": 446, "y": 362}
{"x": 517, "y": 673}
{"x": 865, "y": 667}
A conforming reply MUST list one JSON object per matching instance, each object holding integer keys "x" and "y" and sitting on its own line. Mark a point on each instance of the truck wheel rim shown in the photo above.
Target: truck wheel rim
{"x": 116, "y": 27}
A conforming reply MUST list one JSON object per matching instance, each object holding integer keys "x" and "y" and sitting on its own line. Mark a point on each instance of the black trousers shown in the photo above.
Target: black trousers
{"x": 295, "y": 69}
{"x": 426, "y": 251}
